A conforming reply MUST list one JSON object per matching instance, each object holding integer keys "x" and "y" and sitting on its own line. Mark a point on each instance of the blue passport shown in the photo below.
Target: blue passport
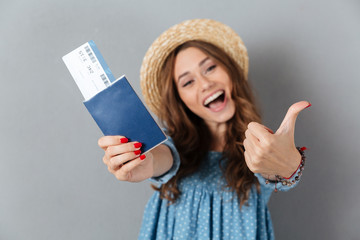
{"x": 118, "y": 110}
{"x": 114, "y": 105}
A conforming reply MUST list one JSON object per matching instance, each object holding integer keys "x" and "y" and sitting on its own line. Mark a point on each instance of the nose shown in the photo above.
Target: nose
{"x": 205, "y": 83}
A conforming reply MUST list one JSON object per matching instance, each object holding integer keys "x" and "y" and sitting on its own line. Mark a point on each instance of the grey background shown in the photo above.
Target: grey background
{"x": 53, "y": 183}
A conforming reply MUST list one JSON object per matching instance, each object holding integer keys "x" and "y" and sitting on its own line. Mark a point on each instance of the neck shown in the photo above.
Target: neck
{"x": 218, "y": 136}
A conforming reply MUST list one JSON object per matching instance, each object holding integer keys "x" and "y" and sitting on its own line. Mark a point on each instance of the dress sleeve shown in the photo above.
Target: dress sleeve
{"x": 278, "y": 185}
{"x": 175, "y": 167}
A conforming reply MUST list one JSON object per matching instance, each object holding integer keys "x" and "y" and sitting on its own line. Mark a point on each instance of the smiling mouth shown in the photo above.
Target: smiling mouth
{"x": 215, "y": 100}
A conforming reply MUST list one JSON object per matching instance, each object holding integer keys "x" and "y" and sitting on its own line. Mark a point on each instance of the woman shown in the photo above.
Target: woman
{"x": 217, "y": 170}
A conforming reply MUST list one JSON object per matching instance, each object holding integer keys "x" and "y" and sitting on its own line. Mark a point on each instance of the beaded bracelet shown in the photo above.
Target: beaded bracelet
{"x": 286, "y": 181}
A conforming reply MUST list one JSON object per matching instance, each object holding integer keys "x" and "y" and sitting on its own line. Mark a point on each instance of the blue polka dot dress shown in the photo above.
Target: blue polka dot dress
{"x": 205, "y": 210}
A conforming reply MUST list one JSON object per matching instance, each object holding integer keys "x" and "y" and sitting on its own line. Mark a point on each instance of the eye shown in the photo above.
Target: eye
{"x": 188, "y": 83}
{"x": 209, "y": 69}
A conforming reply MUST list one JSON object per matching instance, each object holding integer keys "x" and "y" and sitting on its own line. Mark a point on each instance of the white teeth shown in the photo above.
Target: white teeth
{"x": 213, "y": 97}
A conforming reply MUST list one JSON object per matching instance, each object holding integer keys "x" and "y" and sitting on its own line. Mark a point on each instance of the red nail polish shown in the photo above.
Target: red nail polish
{"x": 137, "y": 145}
{"x": 142, "y": 157}
{"x": 309, "y": 105}
{"x": 269, "y": 130}
{"x": 137, "y": 152}
{"x": 124, "y": 140}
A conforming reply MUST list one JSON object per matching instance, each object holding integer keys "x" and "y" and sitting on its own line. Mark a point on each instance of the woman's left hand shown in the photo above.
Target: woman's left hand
{"x": 271, "y": 153}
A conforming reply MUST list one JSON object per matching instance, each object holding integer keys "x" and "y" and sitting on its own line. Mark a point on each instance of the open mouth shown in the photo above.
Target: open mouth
{"x": 215, "y": 100}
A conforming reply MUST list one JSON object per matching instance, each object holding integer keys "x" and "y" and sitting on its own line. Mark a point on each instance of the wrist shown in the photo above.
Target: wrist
{"x": 150, "y": 158}
{"x": 291, "y": 171}
{"x": 162, "y": 160}
{"x": 295, "y": 177}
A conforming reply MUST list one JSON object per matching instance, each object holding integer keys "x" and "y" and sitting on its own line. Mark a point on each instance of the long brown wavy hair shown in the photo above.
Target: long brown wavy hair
{"x": 192, "y": 136}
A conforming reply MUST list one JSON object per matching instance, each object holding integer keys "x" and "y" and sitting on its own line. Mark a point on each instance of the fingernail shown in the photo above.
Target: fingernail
{"x": 142, "y": 157}
{"x": 137, "y": 152}
{"x": 270, "y": 131}
{"x": 303, "y": 148}
{"x": 137, "y": 145}
{"x": 309, "y": 105}
{"x": 124, "y": 140}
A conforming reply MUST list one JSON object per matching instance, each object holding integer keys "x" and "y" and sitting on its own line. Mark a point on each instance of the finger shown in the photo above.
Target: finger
{"x": 258, "y": 130}
{"x": 248, "y": 161}
{"x": 111, "y": 170}
{"x": 288, "y": 124}
{"x": 249, "y": 145}
{"x": 269, "y": 130}
{"x": 250, "y": 155}
{"x": 251, "y": 137}
{"x": 124, "y": 173}
{"x": 107, "y": 141}
{"x": 120, "y": 160}
{"x": 115, "y": 150}
{"x": 106, "y": 160}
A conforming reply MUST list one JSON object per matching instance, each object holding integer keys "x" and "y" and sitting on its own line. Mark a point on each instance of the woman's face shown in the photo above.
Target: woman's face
{"x": 204, "y": 86}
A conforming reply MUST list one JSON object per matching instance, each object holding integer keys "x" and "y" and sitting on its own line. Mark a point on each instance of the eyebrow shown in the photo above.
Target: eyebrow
{"x": 200, "y": 64}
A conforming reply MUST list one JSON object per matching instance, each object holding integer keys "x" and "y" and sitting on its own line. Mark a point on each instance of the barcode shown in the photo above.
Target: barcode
{"x": 105, "y": 80}
{"x": 91, "y": 55}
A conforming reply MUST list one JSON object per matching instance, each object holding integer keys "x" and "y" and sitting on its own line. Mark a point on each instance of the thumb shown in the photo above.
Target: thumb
{"x": 288, "y": 124}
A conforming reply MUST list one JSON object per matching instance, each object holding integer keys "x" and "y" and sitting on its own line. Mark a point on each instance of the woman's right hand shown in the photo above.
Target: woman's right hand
{"x": 124, "y": 159}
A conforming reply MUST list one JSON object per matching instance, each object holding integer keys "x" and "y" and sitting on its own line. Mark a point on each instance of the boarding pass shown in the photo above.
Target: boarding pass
{"x": 89, "y": 69}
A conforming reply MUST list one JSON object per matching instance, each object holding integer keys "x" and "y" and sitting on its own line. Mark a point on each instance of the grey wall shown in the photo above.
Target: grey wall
{"x": 53, "y": 184}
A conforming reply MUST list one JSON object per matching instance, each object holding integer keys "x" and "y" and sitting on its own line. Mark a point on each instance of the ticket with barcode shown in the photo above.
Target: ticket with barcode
{"x": 89, "y": 69}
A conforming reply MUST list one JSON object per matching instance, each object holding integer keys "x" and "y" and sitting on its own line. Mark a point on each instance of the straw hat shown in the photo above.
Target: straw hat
{"x": 205, "y": 30}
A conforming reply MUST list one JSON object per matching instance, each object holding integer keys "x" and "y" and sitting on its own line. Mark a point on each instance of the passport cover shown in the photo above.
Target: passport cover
{"x": 118, "y": 110}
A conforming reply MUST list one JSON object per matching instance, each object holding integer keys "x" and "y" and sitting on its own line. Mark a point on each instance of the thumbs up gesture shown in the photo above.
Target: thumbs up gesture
{"x": 271, "y": 153}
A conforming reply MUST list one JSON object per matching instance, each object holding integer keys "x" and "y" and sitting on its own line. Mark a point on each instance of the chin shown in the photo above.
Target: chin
{"x": 222, "y": 118}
